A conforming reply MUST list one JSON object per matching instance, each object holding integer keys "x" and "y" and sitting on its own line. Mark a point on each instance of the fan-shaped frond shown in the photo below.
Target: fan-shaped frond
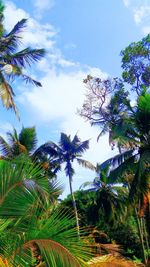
{"x": 21, "y": 184}
{"x": 51, "y": 238}
{"x": 52, "y": 253}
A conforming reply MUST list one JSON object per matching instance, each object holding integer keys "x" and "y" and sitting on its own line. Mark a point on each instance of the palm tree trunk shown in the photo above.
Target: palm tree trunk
{"x": 140, "y": 233}
{"x": 74, "y": 205}
{"x": 141, "y": 238}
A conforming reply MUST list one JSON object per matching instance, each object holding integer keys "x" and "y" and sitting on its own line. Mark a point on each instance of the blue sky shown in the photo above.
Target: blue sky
{"x": 81, "y": 37}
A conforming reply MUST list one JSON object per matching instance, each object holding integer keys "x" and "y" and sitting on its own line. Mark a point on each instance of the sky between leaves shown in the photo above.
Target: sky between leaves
{"x": 80, "y": 37}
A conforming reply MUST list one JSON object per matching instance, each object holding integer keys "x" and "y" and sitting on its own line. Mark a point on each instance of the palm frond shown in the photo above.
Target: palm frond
{"x": 17, "y": 29}
{"x": 53, "y": 235}
{"x": 21, "y": 185}
{"x": 141, "y": 179}
{"x": 81, "y": 147}
{"x": 28, "y": 79}
{"x": 5, "y": 148}
{"x": 7, "y": 94}
{"x": 10, "y": 41}
{"x": 86, "y": 164}
{"x": 110, "y": 260}
{"x": 117, "y": 160}
{"x": 104, "y": 131}
{"x": 53, "y": 253}
{"x": 86, "y": 184}
{"x": 75, "y": 140}
{"x": 28, "y": 138}
{"x": 124, "y": 173}
{"x": 12, "y": 137}
{"x": 25, "y": 57}
{"x": 65, "y": 142}
{"x": 49, "y": 148}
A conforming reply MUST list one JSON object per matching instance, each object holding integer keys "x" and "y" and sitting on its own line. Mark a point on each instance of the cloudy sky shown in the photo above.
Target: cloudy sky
{"x": 81, "y": 37}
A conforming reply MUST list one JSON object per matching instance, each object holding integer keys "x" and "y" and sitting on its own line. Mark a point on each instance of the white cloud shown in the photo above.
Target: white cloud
{"x": 58, "y": 100}
{"x": 127, "y": 2}
{"x": 140, "y": 13}
{"x": 60, "y": 95}
{"x": 44, "y": 4}
{"x": 146, "y": 30}
{"x": 36, "y": 34}
{"x": 140, "y": 10}
{"x": 63, "y": 90}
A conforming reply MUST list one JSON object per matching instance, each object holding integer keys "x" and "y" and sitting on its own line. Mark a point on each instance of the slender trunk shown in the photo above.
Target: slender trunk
{"x": 140, "y": 233}
{"x": 145, "y": 234}
{"x": 141, "y": 238}
{"x": 74, "y": 205}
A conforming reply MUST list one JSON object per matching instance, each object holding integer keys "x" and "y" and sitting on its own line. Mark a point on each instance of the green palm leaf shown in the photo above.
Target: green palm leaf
{"x": 21, "y": 185}
{"x": 54, "y": 238}
{"x": 28, "y": 138}
{"x": 86, "y": 164}
{"x": 5, "y": 148}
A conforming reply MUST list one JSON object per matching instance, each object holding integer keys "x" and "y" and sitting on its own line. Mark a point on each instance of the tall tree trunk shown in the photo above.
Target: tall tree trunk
{"x": 141, "y": 238}
{"x": 74, "y": 205}
{"x": 140, "y": 233}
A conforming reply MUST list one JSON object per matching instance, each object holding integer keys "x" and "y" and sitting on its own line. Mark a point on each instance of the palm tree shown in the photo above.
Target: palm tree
{"x": 133, "y": 167}
{"x": 108, "y": 106}
{"x": 25, "y": 142}
{"x": 14, "y": 62}
{"x": 33, "y": 231}
{"x": 110, "y": 198}
{"x": 66, "y": 152}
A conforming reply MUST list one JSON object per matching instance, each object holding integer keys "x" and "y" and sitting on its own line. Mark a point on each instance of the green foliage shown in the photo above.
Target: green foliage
{"x": 28, "y": 139}
{"x": 135, "y": 63}
{"x": 30, "y": 220}
{"x": 13, "y": 62}
{"x": 86, "y": 206}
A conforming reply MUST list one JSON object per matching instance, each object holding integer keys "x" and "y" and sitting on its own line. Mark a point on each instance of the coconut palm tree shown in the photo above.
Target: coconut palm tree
{"x": 133, "y": 166}
{"x": 14, "y": 62}
{"x": 66, "y": 152}
{"x": 24, "y": 142}
{"x": 110, "y": 198}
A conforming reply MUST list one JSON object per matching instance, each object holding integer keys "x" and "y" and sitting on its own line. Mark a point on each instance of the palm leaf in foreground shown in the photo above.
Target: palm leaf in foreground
{"x": 111, "y": 261}
{"x": 48, "y": 240}
{"x": 21, "y": 185}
